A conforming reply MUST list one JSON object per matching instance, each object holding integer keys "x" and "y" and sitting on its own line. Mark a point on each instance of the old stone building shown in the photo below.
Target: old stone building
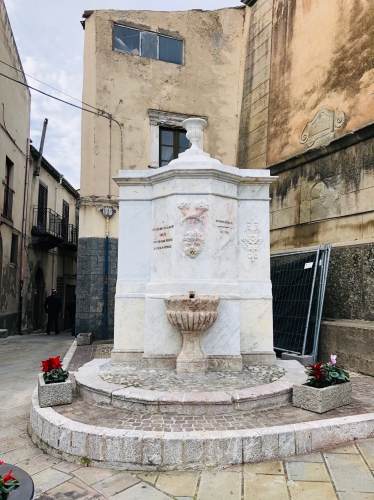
{"x": 38, "y": 225}
{"x": 285, "y": 85}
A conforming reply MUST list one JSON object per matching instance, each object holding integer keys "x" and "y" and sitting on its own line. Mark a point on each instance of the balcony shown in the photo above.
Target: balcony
{"x": 69, "y": 234}
{"x": 8, "y": 202}
{"x": 50, "y": 231}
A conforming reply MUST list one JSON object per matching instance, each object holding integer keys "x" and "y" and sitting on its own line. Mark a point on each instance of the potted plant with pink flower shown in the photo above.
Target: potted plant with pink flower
{"x": 328, "y": 387}
{"x": 54, "y": 387}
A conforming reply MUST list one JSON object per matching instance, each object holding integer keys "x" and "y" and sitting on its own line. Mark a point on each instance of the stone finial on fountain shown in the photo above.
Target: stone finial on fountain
{"x": 195, "y": 132}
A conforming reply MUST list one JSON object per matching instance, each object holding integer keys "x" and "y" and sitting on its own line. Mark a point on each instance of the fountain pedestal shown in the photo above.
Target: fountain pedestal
{"x": 194, "y": 224}
{"x": 192, "y": 316}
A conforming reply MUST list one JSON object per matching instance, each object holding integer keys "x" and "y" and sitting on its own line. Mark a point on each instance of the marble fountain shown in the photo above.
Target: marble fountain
{"x": 193, "y": 341}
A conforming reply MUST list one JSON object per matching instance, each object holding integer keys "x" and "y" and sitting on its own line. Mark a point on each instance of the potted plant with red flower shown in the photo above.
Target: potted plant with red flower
{"x": 8, "y": 483}
{"x": 328, "y": 387}
{"x": 54, "y": 386}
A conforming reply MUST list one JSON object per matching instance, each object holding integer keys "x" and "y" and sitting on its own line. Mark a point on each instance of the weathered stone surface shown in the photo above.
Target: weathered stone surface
{"x": 352, "y": 341}
{"x": 321, "y": 400}
{"x": 84, "y": 339}
{"x": 54, "y": 394}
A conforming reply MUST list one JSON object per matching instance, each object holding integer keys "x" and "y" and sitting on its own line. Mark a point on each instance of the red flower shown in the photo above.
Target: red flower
{"x": 9, "y": 477}
{"x": 51, "y": 364}
{"x": 317, "y": 370}
{"x": 1, "y": 463}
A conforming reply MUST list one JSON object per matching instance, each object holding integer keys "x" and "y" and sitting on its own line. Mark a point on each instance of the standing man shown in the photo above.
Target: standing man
{"x": 72, "y": 308}
{"x": 52, "y": 307}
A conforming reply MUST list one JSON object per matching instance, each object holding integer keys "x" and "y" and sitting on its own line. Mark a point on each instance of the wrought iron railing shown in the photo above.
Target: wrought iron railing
{"x": 47, "y": 221}
{"x": 8, "y": 201}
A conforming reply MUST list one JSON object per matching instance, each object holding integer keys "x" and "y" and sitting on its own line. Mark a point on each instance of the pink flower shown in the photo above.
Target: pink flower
{"x": 333, "y": 359}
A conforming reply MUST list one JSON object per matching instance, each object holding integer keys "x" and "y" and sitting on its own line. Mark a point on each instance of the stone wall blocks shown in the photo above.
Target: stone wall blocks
{"x": 287, "y": 443}
{"x": 132, "y": 446}
{"x": 95, "y": 443}
{"x": 64, "y": 439}
{"x": 114, "y": 444}
{"x": 213, "y": 449}
{"x": 79, "y": 443}
{"x": 251, "y": 445}
{"x": 269, "y": 443}
{"x": 303, "y": 439}
{"x": 232, "y": 448}
{"x": 193, "y": 448}
{"x": 172, "y": 448}
{"x": 152, "y": 448}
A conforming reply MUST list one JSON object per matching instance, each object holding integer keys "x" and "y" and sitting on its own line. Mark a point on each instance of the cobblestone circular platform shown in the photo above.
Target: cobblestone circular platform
{"x": 113, "y": 438}
{"x": 211, "y": 394}
{"x": 134, "y": 375}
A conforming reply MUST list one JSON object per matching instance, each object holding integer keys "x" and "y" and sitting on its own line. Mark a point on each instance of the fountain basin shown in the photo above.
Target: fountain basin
{"x": 192, "y": 316}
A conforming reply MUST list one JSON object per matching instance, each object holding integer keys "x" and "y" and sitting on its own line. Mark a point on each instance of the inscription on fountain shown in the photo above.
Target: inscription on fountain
{"x": 161, "y": 237}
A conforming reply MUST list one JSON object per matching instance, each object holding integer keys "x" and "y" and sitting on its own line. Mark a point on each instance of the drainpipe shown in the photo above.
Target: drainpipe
{"x": 23, "y": 237}
{"x": 54, "y": 250}
{"x": 108, "y": 212}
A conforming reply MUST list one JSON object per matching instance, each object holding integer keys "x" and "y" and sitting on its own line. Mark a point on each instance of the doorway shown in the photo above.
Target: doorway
{"x": 39, "y": 288}
{"x": 69, "y": 292}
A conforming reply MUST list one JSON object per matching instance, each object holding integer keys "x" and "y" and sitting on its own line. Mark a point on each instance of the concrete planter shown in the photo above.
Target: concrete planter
{"x": 322, "y": 400}
{"x": 84, "y": 339}
{"x": 54, "y": 394}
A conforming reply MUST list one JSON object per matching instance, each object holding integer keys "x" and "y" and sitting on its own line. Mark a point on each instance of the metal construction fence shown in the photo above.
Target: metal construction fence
{"x": 299, "y": 284}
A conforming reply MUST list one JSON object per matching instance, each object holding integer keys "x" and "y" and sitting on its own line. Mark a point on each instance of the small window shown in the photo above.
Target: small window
{"x": 14, "y": 249}
{"x": 171, "y": 50}
{"x": 172, "y": 142}
{"x": 147, "y": 44}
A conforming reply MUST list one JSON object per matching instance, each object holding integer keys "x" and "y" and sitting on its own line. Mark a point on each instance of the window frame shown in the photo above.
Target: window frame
{"x": 167, "y": 119}
{"x": 140, "y": 43}
{"x": 176, "y": 143}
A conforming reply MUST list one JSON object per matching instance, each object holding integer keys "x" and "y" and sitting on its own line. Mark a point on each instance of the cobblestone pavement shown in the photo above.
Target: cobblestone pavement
{"x": 344, "y": 473}
{"x": 363, "y": 402}
{"x": 134, "y": 375}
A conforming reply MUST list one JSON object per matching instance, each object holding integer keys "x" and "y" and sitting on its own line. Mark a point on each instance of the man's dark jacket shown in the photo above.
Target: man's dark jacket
{"x": 52, "y": 305}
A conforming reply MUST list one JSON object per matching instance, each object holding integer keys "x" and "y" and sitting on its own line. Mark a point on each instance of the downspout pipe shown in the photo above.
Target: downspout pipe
{"x": 23, "y": 237}
{"x": 108, "y": 212}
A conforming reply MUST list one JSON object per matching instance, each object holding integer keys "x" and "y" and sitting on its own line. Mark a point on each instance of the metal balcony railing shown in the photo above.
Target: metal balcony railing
{"x": 47, "y": 222}
{"x": 69, "y": 233}
{"x": 8, "y": 201}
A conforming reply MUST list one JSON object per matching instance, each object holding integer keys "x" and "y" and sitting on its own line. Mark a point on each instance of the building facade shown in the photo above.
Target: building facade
{"x": 285, "y": 85}
{"x": 38, "y": 222}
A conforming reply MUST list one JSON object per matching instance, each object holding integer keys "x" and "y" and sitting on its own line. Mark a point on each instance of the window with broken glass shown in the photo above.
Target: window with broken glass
{"x": 172, "y": 142}
{"x": 147, "y": 44}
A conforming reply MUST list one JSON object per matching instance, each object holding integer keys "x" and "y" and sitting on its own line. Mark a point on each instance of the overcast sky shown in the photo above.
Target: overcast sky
{"x": 50, "y": 39}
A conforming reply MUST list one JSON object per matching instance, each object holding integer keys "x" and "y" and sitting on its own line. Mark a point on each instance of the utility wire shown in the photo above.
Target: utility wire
{"x": 57, "y": 90}
{"x": 109, "y": 117}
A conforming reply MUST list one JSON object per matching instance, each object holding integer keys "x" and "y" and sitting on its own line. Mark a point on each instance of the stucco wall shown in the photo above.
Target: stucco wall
{"x": 329, "y": 200}
{"x": 207, "y": 84}
{"x": 14, "y": 131}
{"x": 322, "y": 57}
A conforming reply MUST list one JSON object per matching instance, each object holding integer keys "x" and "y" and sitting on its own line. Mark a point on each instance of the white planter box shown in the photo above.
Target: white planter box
{"x": 322, "y": 400}
{"x": 54, "y": 394}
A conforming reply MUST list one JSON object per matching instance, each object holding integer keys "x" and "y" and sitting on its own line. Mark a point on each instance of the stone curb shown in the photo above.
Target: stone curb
{"x": 69, "y": 355}
{"x": 144, "y": 450}
{"x": 93, "y": 388}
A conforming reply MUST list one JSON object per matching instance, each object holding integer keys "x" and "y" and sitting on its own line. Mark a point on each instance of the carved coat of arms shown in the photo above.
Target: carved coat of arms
{"x": 193, "y": 239}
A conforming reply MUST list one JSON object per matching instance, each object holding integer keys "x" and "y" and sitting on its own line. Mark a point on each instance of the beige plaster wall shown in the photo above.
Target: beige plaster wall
{"x": 14, "y": 131}
{"x": 208, "y": 84}
{"x": 322, "y": 57}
